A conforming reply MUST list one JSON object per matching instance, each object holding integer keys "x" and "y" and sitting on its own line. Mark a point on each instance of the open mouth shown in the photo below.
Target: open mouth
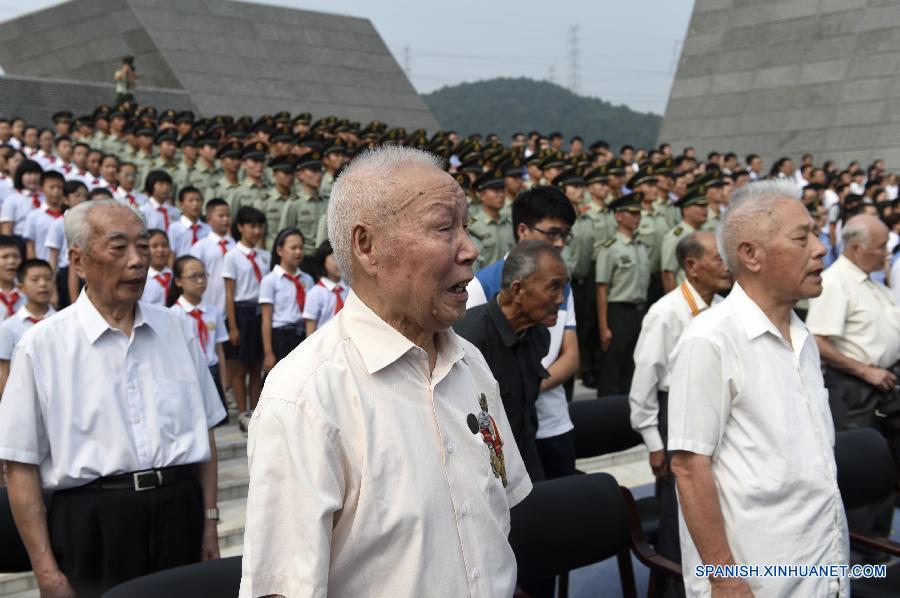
{"x": 460, "y": 288}
{"x": 817, "y": 273}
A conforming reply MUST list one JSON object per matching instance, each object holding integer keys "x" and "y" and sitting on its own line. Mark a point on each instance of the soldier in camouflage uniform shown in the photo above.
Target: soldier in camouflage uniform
{"x": 492, "y": 233}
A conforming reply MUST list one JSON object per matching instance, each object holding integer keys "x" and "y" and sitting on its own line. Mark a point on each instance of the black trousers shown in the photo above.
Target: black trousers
{"x": 62, "y": 287}
{"x": 668, "y": 543}
{"x": 286, "y": 339}
{"x": 618, "y": 363}
{"x": 103, "y": 538}
{"x": 214, "y": 372}
{"x": 557, "y": 455}
{"x": 584, "y": 295}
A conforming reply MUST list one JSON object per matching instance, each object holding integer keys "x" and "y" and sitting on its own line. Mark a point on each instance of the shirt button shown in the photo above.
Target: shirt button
{"x": 464, "y": 511}
{"x": 476, "y": 573}
{"x": 450, "y": 448}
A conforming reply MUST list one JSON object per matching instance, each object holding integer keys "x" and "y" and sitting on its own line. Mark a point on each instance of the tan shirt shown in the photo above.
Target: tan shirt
{"x": 365, "y": 478}
{"x": 857, "y": 314}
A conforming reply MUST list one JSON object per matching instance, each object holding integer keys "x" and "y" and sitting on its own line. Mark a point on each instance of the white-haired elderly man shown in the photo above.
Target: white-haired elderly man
{"x": 750, "y": 432}
{"x": 110, "y": 405}
{"x": 381, "y": 459}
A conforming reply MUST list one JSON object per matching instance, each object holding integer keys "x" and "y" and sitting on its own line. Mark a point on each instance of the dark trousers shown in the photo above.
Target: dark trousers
{"x": 62, "y": 287}
{"x": 103, "y": 538}
{"x": 853, "y": 403}
{"x": 584, "y": 295}
{"x": 668, "y": 543}
{"x": 286, "y": 339}
{"x": 618, "y": 363}
{"x": 531, "y": 458}
{"x": 557, "y": 455}
{"x": 214, "y": 372}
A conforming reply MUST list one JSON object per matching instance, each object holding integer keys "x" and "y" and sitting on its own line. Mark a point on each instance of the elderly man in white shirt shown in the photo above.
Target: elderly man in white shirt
{"x": 706, "y": 275}
{"x": 381, "y": 460}
{"x": 109, "y": 404}
{"x": 750, "y": 431}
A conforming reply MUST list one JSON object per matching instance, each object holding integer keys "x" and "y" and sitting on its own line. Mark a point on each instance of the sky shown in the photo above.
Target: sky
{"x": 626, "y": 51}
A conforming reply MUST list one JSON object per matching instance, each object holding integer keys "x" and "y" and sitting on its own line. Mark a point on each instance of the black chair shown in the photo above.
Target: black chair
{"x": 603, "y": 426}
{"x": 659, "y": 565}
{"x": 13, "y": 557}
{"x": 571, "y": 522}
{"x": 867, "y": 475}
{"x": 219, "y": 578}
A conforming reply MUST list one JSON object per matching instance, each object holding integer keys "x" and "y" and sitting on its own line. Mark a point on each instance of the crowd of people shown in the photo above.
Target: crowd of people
{"x": 128, "y": 231}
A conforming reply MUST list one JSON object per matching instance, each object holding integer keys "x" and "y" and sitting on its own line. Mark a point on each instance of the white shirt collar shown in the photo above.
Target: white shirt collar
{"x": 188, "y": 306}
{"x": 156, "y": 205}
{"x": 756, "y": 323}
{"x": 153, "y": 272}
{"x": 244, "y": 249}
{"x": 279, "y": 271}
{"x": 330, "y": 284}
{"x": 187, "y": 221}
{"x": 94, "y": 324}
{"x": 23, "y": 314}
{"x": 850, "y": 269}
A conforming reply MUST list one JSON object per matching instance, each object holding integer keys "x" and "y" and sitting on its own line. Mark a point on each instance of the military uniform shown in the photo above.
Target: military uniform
{"x": 493, "y": 236}
{"x": 251, "y": 193}
{"x": 623, "y": 266}
{"x": 304, "y": 213}
{"x": 713, "y": 218}
{"x": 275, "y": 202}
{"x": 668, "y": 259}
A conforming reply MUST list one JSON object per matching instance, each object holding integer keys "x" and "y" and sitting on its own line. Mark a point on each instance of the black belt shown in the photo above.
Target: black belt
{"x": 138, "y": 481}
{"x": 635, "y": 306}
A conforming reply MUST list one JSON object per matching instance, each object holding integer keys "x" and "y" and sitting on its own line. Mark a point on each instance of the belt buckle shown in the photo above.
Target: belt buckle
{"x": 156, "y": 479}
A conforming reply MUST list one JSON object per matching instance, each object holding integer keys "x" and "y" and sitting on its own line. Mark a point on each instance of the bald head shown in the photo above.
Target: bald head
{"x": 865, "y": 242}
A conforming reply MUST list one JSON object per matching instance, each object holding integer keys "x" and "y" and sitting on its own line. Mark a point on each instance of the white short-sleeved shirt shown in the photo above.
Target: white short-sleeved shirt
{"x": 758, "y": 407}
{"x": 155, "y": 215}
{"x": 551, "y": 405}
{"x": 660, "y": 330}
{"x": 211, "y": 251}
{"x": 858, "y": 315}
{"x": 56, "y": 239}
{"x": 213, "y": 320}
{"x": 895, "y": 280}
{"x": 16, "y": 208}
{"x": 281, "y": 292}
{"x": 11, "y": 302}
{"x": 321, "y": 300}
{"x": 37, "y": 224}
{"x": 132, "y": 198}
{"x": 125, "y": 404}
{"x": 12, "y": 329}
{"x": 6, "y": 186}
{"x": 181, "y": 235}
{"x": 238, "y": 267}
{"x": 398, "y": 494}
{"x": 156, "y": 289}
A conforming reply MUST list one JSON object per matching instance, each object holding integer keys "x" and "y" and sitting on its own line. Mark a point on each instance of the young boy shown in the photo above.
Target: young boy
{"x": 11, "y": 298}
{"x": 212, "y": 248}
{"x": 36, "y": 280}
{"x": 38, "y": 221}
{"x": 188, "y": 230}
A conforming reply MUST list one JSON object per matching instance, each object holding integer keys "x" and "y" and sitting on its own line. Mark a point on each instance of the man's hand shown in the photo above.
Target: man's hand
{"x": 234, "y": 336}
{"x": 209, "y": 550}
{"x": 269, "y": 362}
{"x": 605, "y": 338}
{"x": 55, "y": 585}
{"x": 729, "y": 587}
{"x": 658, "y": 464}
{"x": 879, "y": 378}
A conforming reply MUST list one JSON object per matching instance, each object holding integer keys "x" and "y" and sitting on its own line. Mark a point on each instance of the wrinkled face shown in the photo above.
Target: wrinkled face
{"x": 541, "y": 294}
{"x": 792, "y": 259}
{"x": 430, "y": 252}
{"x": 38, "y": 284}
{"x": 115, "y": 260}
{"x": 10, "y": 258}
{"x": 710, "y": 270}
{"x": 870, "y": 256}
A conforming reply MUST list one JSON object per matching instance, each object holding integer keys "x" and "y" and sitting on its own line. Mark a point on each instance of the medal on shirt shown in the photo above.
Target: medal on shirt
{"x": 490, "y": 434}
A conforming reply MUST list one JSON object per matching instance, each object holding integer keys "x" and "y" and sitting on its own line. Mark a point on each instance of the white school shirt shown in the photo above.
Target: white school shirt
{"x": 56, "y": 239}
{"x": 37, "y": 223}
{"x": 280, "y": 292}
{"x": 397, "y": 496}
{"x": 895, "y": 280}
{"x": 661, "y": 328}
{"x": 209, "y": 251}
{"x": 154, "y": 290}
{"x": 758, "y": 407}
{"x": 47, "y": 161}
{"x": 6, "y": 187}
{"x": 12, "y": 329}
{"x": 181, "y": 234}
{"x": 16, "y": 208}
{"x": 154, "y": 216}
{"x": 125, "y": 404}
{"x": 858, "y": 315}
{"x": 321, "y": 301}
{"x": 238, "y": 268}
{"x": 133, "y": 198}
{"x": 213, "y": 319}
{"x": 14, "y": 306}
{"x": 95, "y": 182}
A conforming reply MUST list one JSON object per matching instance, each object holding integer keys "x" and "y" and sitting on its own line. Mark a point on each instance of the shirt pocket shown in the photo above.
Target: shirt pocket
{"x": 175, "y": 406}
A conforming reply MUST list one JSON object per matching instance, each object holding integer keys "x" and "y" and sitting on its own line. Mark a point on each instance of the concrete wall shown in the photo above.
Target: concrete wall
{"x": 785, "y": 77}
{"x": 231, "y": 57}
{"x": 36, "y": 99}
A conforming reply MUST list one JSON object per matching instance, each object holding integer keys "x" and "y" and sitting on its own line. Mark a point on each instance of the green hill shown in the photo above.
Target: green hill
{"x": 505, "y": 106}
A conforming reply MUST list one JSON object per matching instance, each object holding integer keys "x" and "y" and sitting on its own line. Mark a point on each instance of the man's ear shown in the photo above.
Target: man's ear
{"x": 750, "y": 256}
{"x": 76, "y": 260}
{"x": 364, "y": 248}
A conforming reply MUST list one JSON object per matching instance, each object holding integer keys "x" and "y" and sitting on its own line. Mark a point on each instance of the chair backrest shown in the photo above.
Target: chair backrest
{"x": 566, "y": 523}
{"x": 221, "y": 577}
{"x": 602, "y": 426}
{"x": 13, "y": 557}
{"x": 865, "y": 469}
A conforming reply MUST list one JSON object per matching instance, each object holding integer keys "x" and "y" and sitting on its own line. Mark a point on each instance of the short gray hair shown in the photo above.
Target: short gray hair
{"x": 363, "y": 191}
{"x": 751, "y": 212}
{"x": 524, "y": 260}
{"x": 689, "y": 247}
{"x": 855, "y": 231}
{"x": 77, "y": 221}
